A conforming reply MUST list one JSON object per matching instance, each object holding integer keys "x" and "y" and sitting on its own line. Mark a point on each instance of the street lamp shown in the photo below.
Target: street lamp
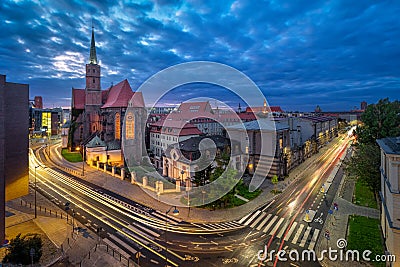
{"x": 175, "y": 212}
{"x": 83, "y": 158}
{"x": 35, "y": 191}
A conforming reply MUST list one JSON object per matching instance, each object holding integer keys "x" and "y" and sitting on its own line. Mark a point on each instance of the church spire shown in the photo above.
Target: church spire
{"x": 93, "y": 57}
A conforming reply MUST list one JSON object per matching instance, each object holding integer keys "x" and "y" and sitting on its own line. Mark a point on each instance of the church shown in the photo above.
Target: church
{"x": 97, "y": 116}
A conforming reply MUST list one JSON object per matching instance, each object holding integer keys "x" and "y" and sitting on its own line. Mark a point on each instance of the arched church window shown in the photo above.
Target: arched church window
{"x": 117, "y": 126}
{"x": 130, "y": 126}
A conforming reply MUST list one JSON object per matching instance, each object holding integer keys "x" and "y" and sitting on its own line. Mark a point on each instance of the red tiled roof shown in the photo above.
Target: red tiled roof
{"x": 177, "y": 128}
{"x": 247, "y": 116}
{"x": 261, "y": 109}
{"x": 192, "y": 106}
{"x": 78, "y": 98}
{"x": 119, "y": 95}
{"x": 137, "y": 100}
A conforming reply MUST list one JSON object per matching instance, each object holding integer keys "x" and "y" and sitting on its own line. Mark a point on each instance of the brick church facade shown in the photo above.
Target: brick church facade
{"x": 100, "y": 114}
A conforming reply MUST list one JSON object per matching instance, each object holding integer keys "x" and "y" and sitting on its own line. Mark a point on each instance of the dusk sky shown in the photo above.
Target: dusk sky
{"x": 300, "y": 53}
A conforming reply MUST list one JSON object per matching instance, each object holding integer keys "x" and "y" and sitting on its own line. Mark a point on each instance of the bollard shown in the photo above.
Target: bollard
{"x": 56, "y": 213}
{"x": 30, "y": 205}
{"x": 40, "y": 208}
{"x": 89, "y": 255}
{"x": 50, "y": 212}
{"x": 44, "y": 209}
{"x": 61, "y": 215}
{"x": 21, "y": 202}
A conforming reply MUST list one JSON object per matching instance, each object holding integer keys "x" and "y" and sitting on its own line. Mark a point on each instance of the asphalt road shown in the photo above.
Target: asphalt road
{"x": 279, "y": 225}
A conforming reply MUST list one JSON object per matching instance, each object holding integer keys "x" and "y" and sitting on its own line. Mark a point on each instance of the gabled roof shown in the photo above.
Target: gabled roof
{"x": 119, "y": 95}
{"x": 96, "y": 142}
{"x": 203, "y": 106}
{"x": 78, "y": 98}
{"x": 261, "y": 124}
{"x": 137, "y": 100}
{"x": 262, "y": 109}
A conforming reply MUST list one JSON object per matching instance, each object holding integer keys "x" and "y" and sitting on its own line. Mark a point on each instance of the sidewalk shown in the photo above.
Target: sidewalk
{"x": 198, "y": 215}
{"x": 337, "y": 223}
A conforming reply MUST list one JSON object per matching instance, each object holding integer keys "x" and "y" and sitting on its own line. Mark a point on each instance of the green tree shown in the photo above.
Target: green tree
{"x": 365, "y": 165}
{"x": 19, "y": 249}
{"x": 274, "y": 181}
{"x": 378, "y": 121}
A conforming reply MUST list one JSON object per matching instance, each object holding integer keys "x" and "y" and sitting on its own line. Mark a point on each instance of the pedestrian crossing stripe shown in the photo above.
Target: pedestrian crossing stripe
{"x": 263, "y": 214}
{"x": 313, "y": 239}
{"x": 252, "y": 218}
{"x": 296, "y": 237}
{"x": 244, "y": 218}
{"x": 277, "y": 226}
{"x": 264, "y": 222}
{"x": 303, "y": 241}
{"x": 270, "y": 224}
{"x": 280, "y": 234}
{"x": 290, "y": 231}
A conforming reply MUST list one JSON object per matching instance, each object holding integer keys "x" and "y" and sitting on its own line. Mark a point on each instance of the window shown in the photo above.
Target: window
{"x": 117, "y": 126}
{"x": 130, "y": 126}
{"x": 94, "y": 80}
{"x": 94, "y": 70}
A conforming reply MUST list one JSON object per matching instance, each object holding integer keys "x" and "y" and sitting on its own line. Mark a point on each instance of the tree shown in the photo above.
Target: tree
{"x": 379, "y": 121}
{"x": 274, "y": 181}
{"x": 365, "y": 165}
{"x": 19, "y": 249}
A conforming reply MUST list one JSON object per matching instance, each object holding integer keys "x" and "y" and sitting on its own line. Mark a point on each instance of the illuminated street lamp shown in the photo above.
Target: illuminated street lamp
{"x": 36, "y": 189}
{"x": 83, "y": 158}
{"x": 175, "y": 212}
{"x": 35, "y": 192}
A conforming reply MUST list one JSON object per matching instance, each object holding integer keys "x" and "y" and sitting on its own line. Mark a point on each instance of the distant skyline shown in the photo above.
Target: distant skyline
{"x": 301, "y": 54}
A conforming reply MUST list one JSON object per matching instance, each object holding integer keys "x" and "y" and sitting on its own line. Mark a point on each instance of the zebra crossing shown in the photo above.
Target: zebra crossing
{"x": 219, "y": 226}
{"x": 298, "y": 234}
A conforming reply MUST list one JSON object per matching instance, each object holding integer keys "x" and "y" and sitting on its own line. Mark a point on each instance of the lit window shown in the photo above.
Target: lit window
{"x": 117, "y": 126}
{"x": 130, "y": 126}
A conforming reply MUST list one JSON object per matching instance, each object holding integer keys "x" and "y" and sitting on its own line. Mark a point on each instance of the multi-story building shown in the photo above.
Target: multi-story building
{"x": 167, "y": 132}
{"x": 181, "y": 160}
{"x": 46, "y": 121}
{"x": 14, "y": 122}
{"x": 390, "y": 193}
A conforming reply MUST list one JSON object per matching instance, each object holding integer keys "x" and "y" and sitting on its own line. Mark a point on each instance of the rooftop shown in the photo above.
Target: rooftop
{"x": 391, "y": 145}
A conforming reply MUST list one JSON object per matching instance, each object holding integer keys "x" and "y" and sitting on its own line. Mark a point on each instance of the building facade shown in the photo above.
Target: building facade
{"x": 101, "y": 113}
{"x": 390, "y": 194}
{"x": 14, "y": 124}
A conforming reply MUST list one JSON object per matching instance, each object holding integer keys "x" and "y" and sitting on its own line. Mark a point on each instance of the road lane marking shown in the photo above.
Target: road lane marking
{"x": 294, "y": 241}
{"x": 277, "y": 226}
{"x": 279, "y": 235}
{"x": 270, "y": 224}
{"x": 244, "y": 218}
{"x": 313, "y": 239}
{"x": 259, "y": 218}
{"x": 306, "y": 234}
{"x": 290, "y": 231}
{"x": 263, "y": 222}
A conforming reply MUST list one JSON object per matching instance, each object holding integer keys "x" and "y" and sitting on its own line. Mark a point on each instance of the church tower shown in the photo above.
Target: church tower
{"x": 93, "y": 101}
{"x": 93, "y": 89}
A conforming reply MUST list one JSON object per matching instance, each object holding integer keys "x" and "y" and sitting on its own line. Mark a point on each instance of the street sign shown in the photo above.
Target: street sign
{"x": 138, "y": 254}
{"x": 307, "y": 211}
{"x": 330, "y": 211}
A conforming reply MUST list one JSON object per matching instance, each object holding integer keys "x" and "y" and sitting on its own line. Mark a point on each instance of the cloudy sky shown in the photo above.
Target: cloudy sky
{"x": 299, "y": 53}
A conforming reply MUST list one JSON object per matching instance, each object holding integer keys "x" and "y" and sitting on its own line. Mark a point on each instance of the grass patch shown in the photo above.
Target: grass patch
{"x": 243, "y": 190}
{"x": 71, "y": 156}
{"x": 363, "y": 195}
{"x": 365, "y": 234}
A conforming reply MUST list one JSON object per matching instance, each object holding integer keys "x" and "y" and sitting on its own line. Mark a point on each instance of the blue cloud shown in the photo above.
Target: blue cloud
{"x": 300, "y": 53}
